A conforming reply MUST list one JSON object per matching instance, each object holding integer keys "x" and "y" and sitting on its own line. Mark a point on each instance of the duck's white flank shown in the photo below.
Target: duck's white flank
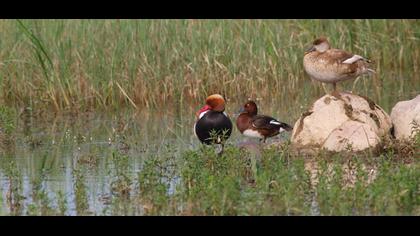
{"x": 274, "y": 122}
{"x": 252, "y": 133}
{"x": 353, "y": 59}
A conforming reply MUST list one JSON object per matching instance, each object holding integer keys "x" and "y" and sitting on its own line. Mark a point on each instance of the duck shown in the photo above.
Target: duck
{"x": 213, "y": 126}
{"x": 250, "y": 124}
{"x": 330, "y": 65}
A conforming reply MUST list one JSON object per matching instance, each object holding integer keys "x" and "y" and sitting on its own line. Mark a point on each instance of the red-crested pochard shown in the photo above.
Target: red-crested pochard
{"x": 213, "y": 125}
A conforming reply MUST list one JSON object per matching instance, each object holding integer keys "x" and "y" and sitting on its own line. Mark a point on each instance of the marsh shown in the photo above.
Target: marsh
{"x": 103, "y": 114}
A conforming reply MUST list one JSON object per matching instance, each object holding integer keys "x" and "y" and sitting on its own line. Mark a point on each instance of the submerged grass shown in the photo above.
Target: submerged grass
{"x": 81, "y": 65}
{"x": 14, "y": 197}
{"x": 80, "y": 191}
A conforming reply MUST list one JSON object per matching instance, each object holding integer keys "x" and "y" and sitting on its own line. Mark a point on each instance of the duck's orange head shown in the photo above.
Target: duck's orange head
{"x": 214, "y": 102}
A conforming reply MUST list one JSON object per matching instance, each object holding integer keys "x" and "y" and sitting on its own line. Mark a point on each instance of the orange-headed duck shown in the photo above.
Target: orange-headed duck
{"x": 213, "y": 125}
{"x": 253, "y": 125}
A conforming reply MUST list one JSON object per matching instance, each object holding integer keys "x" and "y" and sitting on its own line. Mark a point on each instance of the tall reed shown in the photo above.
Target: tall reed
{"x": 83, "y": 65}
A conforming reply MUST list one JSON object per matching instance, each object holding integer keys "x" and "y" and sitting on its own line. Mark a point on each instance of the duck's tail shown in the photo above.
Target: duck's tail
{"x": 366, "y": 65}
{"x": 285, "y": 127}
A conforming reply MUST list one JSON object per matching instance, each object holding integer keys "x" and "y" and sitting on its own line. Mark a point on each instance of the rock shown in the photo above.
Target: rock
{"x": 342, "y": 122}
{"x": 405, "y": 116}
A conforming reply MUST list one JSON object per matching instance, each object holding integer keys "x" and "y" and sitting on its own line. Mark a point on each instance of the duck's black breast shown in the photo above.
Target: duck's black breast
{"x": 213, "y": 122}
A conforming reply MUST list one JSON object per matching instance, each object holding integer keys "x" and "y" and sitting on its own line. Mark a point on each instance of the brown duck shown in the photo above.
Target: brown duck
{"x": 253, "y": 125}
{"x": 330, "y": 65}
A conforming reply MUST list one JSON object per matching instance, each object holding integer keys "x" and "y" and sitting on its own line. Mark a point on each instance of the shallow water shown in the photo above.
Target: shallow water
{"x": 47, "y": 150}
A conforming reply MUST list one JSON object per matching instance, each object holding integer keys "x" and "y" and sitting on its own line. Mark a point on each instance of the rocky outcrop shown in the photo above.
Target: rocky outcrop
{"x": 344, "y": 122}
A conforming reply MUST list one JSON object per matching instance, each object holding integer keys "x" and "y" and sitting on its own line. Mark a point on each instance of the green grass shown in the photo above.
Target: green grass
{"x": 7, "y": 128}
{"x": 81, "y": 65}
{"x": 283, "y": 186}
{"x": 280, "y": 183}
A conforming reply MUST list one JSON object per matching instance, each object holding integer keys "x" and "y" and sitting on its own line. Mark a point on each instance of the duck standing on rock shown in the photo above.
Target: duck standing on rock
{"x": 330, "y": 65}
{"x": 253, "y": 125}
{"x": 213, "y": 125}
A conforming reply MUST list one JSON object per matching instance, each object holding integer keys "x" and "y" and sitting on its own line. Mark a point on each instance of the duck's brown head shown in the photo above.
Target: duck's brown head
{"x": 250, "y": 107}
{"x": 214, "y": 102}
{"x": 320, "y": 44}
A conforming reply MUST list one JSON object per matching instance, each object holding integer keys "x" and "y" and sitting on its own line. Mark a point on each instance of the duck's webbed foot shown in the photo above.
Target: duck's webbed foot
{"x": 336, "y": 94}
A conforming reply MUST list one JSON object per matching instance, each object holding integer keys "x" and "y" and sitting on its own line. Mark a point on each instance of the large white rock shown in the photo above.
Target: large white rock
{"x": 339, "y": 123}
{"x": 405, "y": 117}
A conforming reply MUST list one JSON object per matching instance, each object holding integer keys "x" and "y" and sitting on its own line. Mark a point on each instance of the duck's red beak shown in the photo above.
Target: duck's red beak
{"x": 203, "y": 109}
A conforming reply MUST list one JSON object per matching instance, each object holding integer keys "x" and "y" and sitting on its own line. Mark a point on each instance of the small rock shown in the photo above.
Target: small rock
{"x": 405, "y": 116}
